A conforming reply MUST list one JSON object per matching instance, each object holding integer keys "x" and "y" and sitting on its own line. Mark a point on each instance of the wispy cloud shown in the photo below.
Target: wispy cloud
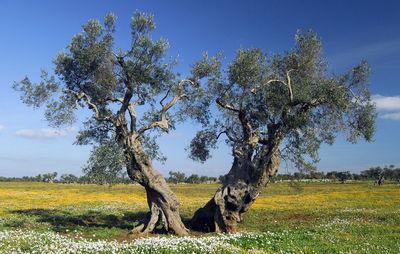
{"x": 388, "y": 103}
{"x": 44, "y": 133}
{"x": 393, "y": 116}
{"x": 1, "y": 128}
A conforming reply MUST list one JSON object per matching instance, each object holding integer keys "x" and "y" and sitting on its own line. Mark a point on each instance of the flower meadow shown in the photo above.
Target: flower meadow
{"x": 356, "y": 217}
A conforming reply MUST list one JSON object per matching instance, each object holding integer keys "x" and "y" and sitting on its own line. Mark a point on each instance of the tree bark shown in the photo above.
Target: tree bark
{"x": 244, "y": 182}
{"x": 163, "y": 203}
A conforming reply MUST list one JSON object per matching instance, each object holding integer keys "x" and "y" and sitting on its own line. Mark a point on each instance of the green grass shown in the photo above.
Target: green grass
{"x": 315, "y": 218}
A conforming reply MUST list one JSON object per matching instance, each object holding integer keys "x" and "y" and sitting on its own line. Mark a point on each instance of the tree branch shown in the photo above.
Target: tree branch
{"x": 169, "y": 90}
{"x": 228, "y": 135}
{"x": 133, "y": 116}
{"x": 163, "y": 123}
{"x": 246, "y": 126}
{"x": 351, "y": 91}
{"x": 276, "y": 80}
{"x": 114, "y": 99}
{"x": 218, "y": 101}
{"x": 289, "y": 85}
{"x": 93, "y": 106}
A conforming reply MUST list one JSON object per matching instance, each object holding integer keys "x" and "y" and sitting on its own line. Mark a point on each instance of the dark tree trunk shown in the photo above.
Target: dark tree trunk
{"x": 380, "y": 180}
{"x": 163, "y": 203}
{"x": 245, "y": 181}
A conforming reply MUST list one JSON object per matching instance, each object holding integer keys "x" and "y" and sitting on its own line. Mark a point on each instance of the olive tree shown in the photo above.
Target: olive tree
{"x": 273, "y": 107}
{"x": 112, "y": 83}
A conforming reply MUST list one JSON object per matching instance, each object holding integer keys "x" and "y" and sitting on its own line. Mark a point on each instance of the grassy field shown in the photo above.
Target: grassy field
{"x": 305, "y": 218}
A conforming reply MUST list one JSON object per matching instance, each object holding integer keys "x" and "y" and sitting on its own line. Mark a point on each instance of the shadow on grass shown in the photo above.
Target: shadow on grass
{"x": 61, "y": 219}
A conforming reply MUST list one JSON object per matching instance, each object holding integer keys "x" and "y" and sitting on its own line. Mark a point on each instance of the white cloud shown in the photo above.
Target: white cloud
{"x": 386, "y": 102}
{"x": 44, "y": 133}
{"x": 393, "y": 116}
{"x": 1, "y": 128}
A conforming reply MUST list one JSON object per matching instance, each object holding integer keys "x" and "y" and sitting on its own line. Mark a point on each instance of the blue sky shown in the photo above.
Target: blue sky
{"x": 33, "y": 32}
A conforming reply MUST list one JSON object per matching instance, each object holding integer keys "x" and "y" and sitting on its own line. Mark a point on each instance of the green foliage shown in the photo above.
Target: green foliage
{"x": 200, "y": 145}
{"x": 180, "y": 177}
{"x": 176, "y": 177}
{"x": 289, "y": 95}
{"x": 68, "y": 178}
{"x": 105, "y": 164}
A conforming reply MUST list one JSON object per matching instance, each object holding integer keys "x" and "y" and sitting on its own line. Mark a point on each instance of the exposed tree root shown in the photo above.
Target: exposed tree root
{"x": 157, "y": 217}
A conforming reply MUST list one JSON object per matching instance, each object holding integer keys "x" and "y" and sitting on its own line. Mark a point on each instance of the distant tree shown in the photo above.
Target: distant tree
{"x": 84, "y": 180}
{"x": 105, "y": 164}
{"x": 299, "y": 176}
{"x": 333, "y": 175}
{"x": 204, "y": 179}
{"x": 212, "y": 179}
{"x": 280, "y": 177}
{"x": 380, "y": 180}
{"x": 68, "y": 178}
{"x": 112, "y": 83}
{"x": 356, "y": 177}
{"x": 38, "y": 178}
{"x": 343, "y": 176}
{"x": 50, "y": 177}
{"x": 372, "y": 173}
{"x": 281, "y": 106}
{"x": 176, "y": 177}
{"x": 193, "y": 179}
{"x": 317, "y": 175}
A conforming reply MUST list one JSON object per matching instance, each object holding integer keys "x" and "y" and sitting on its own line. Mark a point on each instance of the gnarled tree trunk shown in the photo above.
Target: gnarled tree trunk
{"x": 163, "y": 203}
{"x": 245, "y": 181}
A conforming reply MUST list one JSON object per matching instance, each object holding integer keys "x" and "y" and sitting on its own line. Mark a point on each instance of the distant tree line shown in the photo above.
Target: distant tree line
{"x": 106, "y": 178}
{"x": 377, "y": 174}
{"x": 67, "y": 179}
{"x": 180, "y": 177}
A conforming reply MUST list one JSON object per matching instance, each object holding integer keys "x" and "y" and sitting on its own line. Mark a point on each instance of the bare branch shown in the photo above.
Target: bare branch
{"x": 169, "y": 90}
{"x": 185, "y": 80}
{"x": 218, "y": 101}
{"x": 351, "y": 91}
{"x": 163, "y": 123}
{"x": 228, "y": 135}
{"x": 114, "y": 99}
{"x": 166, "y": 95}
{"x": 289, "y": 85}
{"x": 276, "y": 80}
{"x": 170, "y": 104}
{"x": 93, "y": 106}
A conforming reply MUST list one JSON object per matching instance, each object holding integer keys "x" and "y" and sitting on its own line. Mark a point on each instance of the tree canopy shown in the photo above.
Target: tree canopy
{"x": 292, "y": 95}
{"x": 92, "y": 73}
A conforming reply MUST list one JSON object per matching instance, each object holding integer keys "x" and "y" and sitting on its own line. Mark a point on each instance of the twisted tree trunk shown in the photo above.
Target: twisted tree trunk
{"x": 245, "y": 181}
{"x": 163, "y": 203}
